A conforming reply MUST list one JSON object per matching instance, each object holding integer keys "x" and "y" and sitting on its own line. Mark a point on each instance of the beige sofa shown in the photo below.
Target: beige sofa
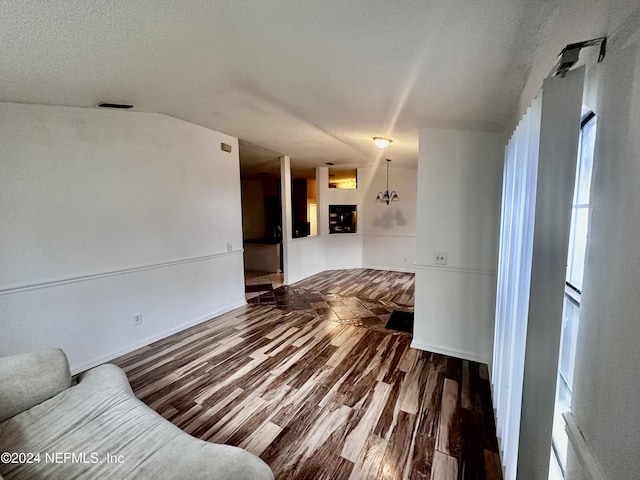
{"x": 98, "y": 429}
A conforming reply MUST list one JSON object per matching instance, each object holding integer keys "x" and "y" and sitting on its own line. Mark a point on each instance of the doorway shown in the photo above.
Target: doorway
{"x": 261, "y": 221}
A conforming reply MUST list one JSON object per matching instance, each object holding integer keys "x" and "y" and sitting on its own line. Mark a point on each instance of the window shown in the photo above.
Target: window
{"x": 573, "y": 289}
{"x": 580, "y": 211}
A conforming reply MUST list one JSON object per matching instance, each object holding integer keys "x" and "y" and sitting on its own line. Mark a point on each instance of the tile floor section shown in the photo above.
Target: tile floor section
{"x": 259, "y": 284}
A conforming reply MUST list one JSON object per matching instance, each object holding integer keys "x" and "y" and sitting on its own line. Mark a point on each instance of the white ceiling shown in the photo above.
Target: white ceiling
{"x": 311, "y": 79}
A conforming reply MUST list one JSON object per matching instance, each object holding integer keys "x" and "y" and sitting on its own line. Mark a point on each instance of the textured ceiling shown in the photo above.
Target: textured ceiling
{"x": 309, "y": 79}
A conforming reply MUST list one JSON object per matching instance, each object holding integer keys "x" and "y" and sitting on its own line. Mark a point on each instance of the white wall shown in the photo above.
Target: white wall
{"x": 252, "y": 209}
{"x": 395, "y": 252}
{"x": 386, "y": 237}
{"x": 459, "y": 185}
{"x": 389, "y": 231}
{"x": 336, "y": 196}
{"x": 343, "y": 250}
{"x": 107, "y": 214}
{"x": 307, "y": 256}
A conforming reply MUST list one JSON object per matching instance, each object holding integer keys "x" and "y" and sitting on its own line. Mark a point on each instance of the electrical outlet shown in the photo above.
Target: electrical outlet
{"x": 440, "y": 258}
{"x": 137, "y": 319}
{"x": 229, "y": 247}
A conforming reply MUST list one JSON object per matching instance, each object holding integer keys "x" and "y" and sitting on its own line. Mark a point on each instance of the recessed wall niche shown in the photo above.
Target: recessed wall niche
{"x": 343, "y": 178}
{"x": 343, "y": 218}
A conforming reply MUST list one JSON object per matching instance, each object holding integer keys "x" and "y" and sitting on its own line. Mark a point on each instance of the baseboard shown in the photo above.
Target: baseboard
{"x": 75, "y": 369}
{"x": 586, "y": 460}
{"x": 390, "y": 269}
{"x": 450, "y": 352}
{"x": 340, "y": 267}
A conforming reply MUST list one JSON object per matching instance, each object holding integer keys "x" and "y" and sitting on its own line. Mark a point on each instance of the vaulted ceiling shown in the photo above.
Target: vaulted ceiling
{"x": 311, "y": 79}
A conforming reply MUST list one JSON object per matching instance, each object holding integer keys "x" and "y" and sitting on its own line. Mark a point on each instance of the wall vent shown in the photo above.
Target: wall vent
{"x": 122, "y": 106}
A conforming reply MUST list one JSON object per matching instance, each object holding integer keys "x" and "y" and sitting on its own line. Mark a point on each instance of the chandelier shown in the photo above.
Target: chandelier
{"x": 387, "y": 196}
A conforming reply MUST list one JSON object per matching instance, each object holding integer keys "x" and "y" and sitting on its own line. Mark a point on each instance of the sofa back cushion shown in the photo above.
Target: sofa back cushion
{"x": 29, "y": 379}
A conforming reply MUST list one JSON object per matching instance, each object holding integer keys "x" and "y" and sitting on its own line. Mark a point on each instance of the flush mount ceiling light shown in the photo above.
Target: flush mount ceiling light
{"x": 382, "y": 142}
{"x": 387, "y": 196}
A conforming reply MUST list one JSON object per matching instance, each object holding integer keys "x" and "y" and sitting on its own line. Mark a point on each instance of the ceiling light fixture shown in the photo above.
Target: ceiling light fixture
{"x": 387, "y": 196}
{"x": 382, "y": 142}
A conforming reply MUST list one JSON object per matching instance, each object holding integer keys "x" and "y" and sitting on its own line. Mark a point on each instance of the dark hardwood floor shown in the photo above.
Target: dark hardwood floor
{"x": 313, "y": 383}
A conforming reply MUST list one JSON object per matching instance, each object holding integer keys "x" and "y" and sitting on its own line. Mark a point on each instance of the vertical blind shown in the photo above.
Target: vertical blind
{"x": 514, "y": 279}
{"x": 539, "y": 176}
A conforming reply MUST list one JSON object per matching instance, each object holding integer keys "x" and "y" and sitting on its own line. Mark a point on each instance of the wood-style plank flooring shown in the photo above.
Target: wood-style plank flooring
{"x": 319, "y": 396}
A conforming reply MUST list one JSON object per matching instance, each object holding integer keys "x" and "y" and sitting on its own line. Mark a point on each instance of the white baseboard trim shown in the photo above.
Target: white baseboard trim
{"x": 450, "y": 352}
{"x": 587, "y": 461}
{"x": 390, "y": 269}
{"x": 75, "y": 369}
{"x": 340, "y": 267}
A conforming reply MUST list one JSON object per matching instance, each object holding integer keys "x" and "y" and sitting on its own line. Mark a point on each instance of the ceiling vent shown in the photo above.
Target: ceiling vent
{"x": 121, "y": 106}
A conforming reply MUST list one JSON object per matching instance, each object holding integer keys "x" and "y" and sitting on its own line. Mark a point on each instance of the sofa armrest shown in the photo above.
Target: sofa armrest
{"x": 105, "y": 378}
{"x": 29, "y": 379}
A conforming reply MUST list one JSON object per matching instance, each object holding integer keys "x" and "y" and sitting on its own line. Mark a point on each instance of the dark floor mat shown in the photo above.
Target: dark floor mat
{"x": 402, "y": 321}
{"x": 263, "y": 287}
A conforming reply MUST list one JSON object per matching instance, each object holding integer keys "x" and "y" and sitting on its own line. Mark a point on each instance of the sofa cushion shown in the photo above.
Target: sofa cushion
{"x": 29, "y": 379}
{"x": 113, "y": 435}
